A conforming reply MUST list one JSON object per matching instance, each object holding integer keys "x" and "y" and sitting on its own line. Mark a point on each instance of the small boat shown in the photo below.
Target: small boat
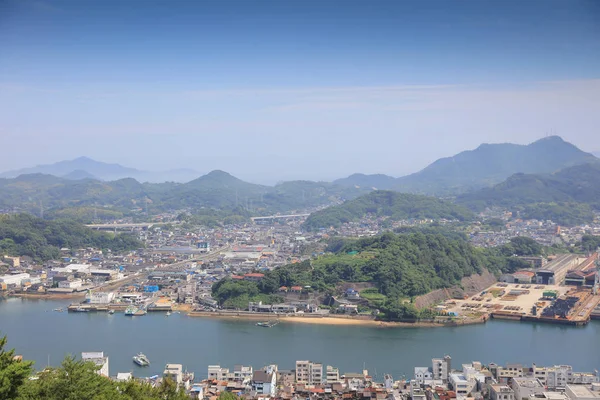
{"x": 168, "y": 313}
{"x": 81, "y": 309}
{"x": 131, "y": 310}
{"x": 111, "y": 312}
{"x": 267, "y": 324}
{"x": 141, "y": 360}
{"x": 58, "y": 309}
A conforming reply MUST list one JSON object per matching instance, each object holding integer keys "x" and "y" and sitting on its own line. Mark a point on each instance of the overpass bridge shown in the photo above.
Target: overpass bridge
{"x": 131, "y": 226}
{"x": 274, "y": 217}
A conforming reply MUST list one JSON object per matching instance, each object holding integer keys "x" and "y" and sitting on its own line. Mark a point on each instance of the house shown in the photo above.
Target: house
{"x": 264, "y": 383}
{"x": 296, "y": 289}
{"x": 423, "y": 374}
{"x": 352, "y": 294}
{"x": 349, "y": 308}
{"x": 97, "y": 357}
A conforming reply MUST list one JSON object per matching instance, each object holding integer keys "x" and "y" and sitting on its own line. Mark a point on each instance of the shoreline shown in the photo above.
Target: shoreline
{"x": 46, "y": 296}
{"x": 330, "y": 320}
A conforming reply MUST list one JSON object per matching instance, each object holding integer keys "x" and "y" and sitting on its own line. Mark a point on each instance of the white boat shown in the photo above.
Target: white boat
{"x": 168, "y": 313}
{"x": 141, "y": 360}
{"x": 111, "y": 312}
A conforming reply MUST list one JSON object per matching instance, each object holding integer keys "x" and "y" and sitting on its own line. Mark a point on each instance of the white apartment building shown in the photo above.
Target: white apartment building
{"x": 526, "y": 387}
{"x": 332, "y": 375}
{"x": 97, "y": 357}
{"x": 241, "y": 373}
{"x": 583, "y": 392}
{"x": 218, "y": 373}
{"x": 309, "y": 372}
{"x": 174, "y": 372}
{"x": 501, "y": 392}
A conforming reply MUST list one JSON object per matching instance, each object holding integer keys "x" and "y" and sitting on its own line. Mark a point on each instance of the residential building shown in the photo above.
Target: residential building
{"x": 217, "y": 373}
{"x": 501, "y": 392}
{"x": 423, "y": 374}
{"x": 583, "y": 392}
{"x": 332, "y": 375}
{"x": 242, "y": 373}
{"x": 264, "y": 383}
{"x": 97, "y": 357}
{"x": 416, "y": 392}
{"x": 309, "y": 372}
{"x": 526, "y": 387}
{"x": 174, "y": 372}
{"x": 441, "y": 367}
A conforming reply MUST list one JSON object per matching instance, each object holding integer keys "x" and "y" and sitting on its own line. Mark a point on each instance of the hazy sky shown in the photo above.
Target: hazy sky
{"x": 271, "y": 90}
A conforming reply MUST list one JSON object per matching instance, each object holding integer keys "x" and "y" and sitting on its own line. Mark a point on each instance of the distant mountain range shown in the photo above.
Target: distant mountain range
{"x": 487, "y": 165}
{"x": 86, "y": 168}
{"x": 215, "y": 190}
{"x": 547, "y": 170}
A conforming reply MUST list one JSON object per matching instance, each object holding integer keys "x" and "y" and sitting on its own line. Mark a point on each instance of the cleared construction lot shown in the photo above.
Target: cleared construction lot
{"x": 506, "y": 297}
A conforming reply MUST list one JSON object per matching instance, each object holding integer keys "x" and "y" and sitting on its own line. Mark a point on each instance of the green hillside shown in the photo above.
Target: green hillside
{"x": 25, "y": 235}
{"x": 395, "y": 206}
{"x": 568, "y": 196}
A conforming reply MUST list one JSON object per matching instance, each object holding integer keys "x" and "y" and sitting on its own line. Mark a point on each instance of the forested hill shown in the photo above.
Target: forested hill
{"x": 399, "y": 266}
{"x": 382, "y": 203}
{"x": 568, "y": 196}
{"x": 25, "y": 235}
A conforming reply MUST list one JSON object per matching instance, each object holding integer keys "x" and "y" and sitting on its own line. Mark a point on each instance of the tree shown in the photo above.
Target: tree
{"x": 228, "y": 396}
{"x": 13, "y": 373}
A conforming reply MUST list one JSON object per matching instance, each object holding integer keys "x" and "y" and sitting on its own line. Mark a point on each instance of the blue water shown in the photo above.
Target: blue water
{"x": 39, "y": 333}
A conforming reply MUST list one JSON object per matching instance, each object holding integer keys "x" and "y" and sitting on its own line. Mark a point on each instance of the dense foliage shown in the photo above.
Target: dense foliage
{"x": 590, "y": 243}
{"x": 26, "y": 235}
{"x": 382, "y": 203}
{"x": 521, "y": 246}
{"x": 73, "y": 380}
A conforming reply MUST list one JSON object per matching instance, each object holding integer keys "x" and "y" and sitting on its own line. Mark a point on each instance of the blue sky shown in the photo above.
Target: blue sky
{"x": 272, "y": 90}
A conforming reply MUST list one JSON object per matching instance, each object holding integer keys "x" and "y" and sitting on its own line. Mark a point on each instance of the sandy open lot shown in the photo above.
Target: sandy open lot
{"x": 494, "y": 300}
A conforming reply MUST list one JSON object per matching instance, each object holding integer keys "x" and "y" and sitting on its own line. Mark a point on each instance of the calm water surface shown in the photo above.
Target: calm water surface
{"x": 39, "y": 333}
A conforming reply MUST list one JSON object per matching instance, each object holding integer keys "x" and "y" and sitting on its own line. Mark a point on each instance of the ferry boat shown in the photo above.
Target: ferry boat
{"x": 141, "y": 360}
{"x": 131, "y": 310}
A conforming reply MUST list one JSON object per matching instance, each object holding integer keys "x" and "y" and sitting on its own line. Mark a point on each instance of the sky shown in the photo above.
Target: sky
{"x": 278, "y": 90}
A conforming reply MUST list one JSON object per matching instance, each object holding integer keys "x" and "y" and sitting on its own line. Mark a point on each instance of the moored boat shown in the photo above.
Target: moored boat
{"x": 131, "y": 310}
{"x": 141, "y": 360}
